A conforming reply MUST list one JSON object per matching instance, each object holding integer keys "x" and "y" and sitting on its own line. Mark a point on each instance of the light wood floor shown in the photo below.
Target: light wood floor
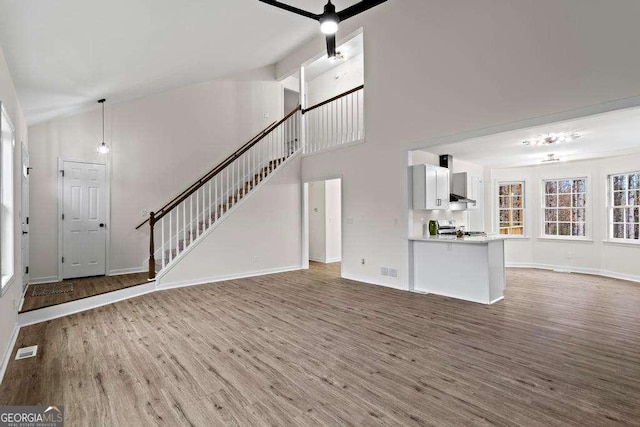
{"x": 82, "y": 288}
{"x": 309, "y": 348}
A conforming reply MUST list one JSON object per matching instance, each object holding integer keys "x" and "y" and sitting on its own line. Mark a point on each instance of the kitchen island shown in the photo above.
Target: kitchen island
{"x": 468, "y": 268}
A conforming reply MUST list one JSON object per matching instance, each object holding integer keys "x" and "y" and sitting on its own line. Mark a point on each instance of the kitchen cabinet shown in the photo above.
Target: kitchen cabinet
{"x": 430, "y": 187}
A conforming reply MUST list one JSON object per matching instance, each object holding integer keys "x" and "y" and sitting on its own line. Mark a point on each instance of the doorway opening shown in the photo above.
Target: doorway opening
{"x": 324, "y": 223}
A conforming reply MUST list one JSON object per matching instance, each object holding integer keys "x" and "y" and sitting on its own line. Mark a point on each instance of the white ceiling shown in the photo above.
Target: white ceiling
{"x": 65, "y": 54}
{"x": 604, "y": 135}
{"x": 350, "y": 49}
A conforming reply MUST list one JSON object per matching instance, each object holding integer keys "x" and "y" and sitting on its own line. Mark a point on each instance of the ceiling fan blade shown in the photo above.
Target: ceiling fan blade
{"x": 331, "y": 45}
{"x": 358, "y": 8}
{"x": 291, "y": 9}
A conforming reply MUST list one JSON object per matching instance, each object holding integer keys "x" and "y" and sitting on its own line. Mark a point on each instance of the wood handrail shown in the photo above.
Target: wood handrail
{"x": 186, "y": 194}
{"x": 349, "y": 92}
{"x": 207, "y": 176}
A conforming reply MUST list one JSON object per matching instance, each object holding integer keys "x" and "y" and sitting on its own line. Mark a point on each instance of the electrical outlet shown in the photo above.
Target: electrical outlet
{"x": 393, "y": 272}
{"x": 384, "y": 271}
{"x": 362, "y": 261}
{"x": 266, "y": 115}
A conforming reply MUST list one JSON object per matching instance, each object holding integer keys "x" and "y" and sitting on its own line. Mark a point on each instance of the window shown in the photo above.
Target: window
{"x": 565, "y": 207}
{"x": 511, "y": 208}
{"x": 7, "y": 142}
{"x": 624, "y": 206}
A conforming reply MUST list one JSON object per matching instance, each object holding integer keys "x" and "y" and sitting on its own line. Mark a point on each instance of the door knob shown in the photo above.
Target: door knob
{"x": 101, "y": 225}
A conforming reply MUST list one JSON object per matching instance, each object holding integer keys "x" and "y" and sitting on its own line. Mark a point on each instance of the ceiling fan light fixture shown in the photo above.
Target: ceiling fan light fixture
{"x": 329, "y": 26}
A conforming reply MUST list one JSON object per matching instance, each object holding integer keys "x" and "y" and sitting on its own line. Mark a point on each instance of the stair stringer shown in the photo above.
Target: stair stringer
{"x": 174, "y": 273}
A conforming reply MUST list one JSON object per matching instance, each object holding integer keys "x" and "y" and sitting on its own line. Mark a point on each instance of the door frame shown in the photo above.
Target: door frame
{"x": 305, "y": 218}
{"x": 24, "y": 216}
{"x": 107, "y": 165}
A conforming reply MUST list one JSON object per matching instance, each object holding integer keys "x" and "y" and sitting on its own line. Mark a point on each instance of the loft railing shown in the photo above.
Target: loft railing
{"x": 335, "y": 122}
{"x": 185, "y": 218}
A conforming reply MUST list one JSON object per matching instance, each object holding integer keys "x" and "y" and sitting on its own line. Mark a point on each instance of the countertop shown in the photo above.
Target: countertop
{"x": 452, "y": 239}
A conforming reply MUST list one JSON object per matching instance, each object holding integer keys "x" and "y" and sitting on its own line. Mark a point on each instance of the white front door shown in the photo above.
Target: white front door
{"x": 25, "y": 217}
{"x": 84, "y": 230}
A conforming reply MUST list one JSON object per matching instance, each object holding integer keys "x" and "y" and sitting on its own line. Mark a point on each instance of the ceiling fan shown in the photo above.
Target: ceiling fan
{"x": 329, "y": 19}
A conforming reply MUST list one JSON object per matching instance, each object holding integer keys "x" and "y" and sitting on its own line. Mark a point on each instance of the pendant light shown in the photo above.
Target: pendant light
{"x": 103, "y": 148}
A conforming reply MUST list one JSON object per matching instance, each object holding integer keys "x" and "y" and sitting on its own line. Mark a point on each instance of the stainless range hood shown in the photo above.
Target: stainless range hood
{"x": 446, "y": 161}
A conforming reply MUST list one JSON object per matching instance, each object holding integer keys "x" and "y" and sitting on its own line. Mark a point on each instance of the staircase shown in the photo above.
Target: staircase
{"x": 180, "y": 224}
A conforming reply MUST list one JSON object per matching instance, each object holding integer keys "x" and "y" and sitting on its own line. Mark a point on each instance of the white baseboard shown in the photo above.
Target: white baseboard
{"x": 9, "y": 351}
{"x": 580, "y": 270}
{"x": 131, "y": 270}
{"x": 367, "y": 280}
{"x": 41, "y": 280}
{"x": 72, "y": 307}
{"x": 215, "y": 279}
{"x": 332, "y": 260}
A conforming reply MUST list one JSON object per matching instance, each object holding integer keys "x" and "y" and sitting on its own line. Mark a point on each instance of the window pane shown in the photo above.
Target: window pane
{"x": 564, "y": 215}
{"x": 565, "y": 186}
{"x": 579, "y": 186}
{"x": 551, "y": 201}
{"x": 634, "y": 181}
{"x": 504, "y": 217}
{"x": 633, "y": 215}
{"x": 504, "y": 202}
{"x": 618, "y": 231}
{"x": 517, "y": 217}
{"x": 551, "y": 187}
{"x": 504, "y": 190}
{"x": 620, "y": 182}
{"x": 632, "y": 198}
{"x": 564, "y": 229}
{"x": 620, "y": 198}
{"x": 564, "y": 200}
{"x": 579, "y": 200}
{"x": 578, "y": 229}
{"x": 551, "y": 215}
{"x": 551, "y": 229}
{"x": 516, "y": 189}
{"x": 618, "y": 214}
{"x": 516, "y": 202}
{"x": 578, "y": 215}
{"x": 632, "y": 231}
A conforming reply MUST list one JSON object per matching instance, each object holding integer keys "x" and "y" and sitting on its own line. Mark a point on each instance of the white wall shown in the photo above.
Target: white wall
{"x": 13, "y": 295}
{"x": 594, "y": 255}
{"x": 338, "y": 80}
{"x": 435, "y": 69}
{"x": 263, "y": 235}
{"x": 317, "y": 221}
{"x": 160, "y": 145}
{"x": 325, "y": 221}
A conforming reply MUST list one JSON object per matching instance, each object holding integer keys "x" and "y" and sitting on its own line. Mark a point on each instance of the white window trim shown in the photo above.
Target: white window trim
{"x": 609, "y": 213}
{"x": 588, "y": 237}
{"x": 9, "y": 280}
{"x": 525, "y": 219}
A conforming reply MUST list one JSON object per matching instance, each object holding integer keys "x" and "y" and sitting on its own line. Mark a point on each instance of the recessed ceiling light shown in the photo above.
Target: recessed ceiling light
{"x": 551, "y": 158}
{"x": 552, "y": 138}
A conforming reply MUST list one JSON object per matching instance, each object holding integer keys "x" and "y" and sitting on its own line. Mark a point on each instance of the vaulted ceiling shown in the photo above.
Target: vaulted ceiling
{"x": 65, "y": 54}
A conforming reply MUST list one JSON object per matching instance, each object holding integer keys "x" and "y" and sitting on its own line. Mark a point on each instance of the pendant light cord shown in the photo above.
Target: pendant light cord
{"x": 102, "y": 101}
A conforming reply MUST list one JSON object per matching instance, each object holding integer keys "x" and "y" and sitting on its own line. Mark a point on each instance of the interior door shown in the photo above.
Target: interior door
{"x": 25, "y": 217}
{"x": 84, "y": 220}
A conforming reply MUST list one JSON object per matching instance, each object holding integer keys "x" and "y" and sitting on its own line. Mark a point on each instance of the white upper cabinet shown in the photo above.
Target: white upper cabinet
{"x": 430, "y": 187}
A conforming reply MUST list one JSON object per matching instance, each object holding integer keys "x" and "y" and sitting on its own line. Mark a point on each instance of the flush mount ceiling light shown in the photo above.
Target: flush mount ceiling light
{"x": 552, "y": 138}
{"x": 103, "y": 148}
{"x": 551, "y": 158}
{"x": 329, "y": 19}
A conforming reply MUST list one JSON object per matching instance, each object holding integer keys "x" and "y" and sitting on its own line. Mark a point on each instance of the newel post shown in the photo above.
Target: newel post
{"x": 152, "y": 260}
